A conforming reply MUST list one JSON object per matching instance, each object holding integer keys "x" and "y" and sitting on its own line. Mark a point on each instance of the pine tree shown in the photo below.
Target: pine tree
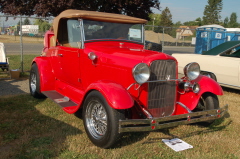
{"x": 233, "y": 21}
{"x": 166, "y": 20}
{"x": 212, "y": 12}
{"x": 26, "y": 22}
{"x": 225, "y": 22}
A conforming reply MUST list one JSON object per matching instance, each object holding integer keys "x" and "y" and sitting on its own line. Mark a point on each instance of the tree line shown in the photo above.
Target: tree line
{"x": 136, "y": 8}
{"x": 211, "y": 15}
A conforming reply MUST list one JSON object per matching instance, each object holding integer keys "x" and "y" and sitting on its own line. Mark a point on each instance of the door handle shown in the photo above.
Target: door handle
{"x": 60, "y": 55}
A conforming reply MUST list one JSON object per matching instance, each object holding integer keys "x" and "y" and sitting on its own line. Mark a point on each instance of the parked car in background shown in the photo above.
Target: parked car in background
{"x": 153, "y": 46}
{"x": 222, "y": 63}
{"x": 96, "y": 67}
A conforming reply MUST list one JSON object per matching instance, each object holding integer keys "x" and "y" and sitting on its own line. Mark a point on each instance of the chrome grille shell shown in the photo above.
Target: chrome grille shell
{"x": 162, "y": 95}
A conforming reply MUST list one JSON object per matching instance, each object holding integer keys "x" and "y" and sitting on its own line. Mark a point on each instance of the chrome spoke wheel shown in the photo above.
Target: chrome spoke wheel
{"x": 33, "y": 82}
{"x": 96, "y": 119}
{"x": 101, "y": 121}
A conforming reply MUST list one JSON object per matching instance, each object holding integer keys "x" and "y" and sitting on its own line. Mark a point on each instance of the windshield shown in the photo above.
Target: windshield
{"x": 223, "y": 48}
{"x": 106, "y": 30}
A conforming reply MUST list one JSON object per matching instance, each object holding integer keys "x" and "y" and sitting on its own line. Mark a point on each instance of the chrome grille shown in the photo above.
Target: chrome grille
{"x": 162, "y": 95}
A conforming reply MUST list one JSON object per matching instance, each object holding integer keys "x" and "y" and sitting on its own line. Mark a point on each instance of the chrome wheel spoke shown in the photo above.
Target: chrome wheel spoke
{"x": 96, "y": 119}
{"x": 33, "y": 82}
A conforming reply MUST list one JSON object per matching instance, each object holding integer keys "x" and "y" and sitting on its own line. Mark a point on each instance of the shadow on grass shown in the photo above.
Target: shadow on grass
{"x": 13, "y": 87}
{"x": 130, "y": 138}
{"x": 25, "y": 132}
{"x": 214, "y": 127}
{"x": 231, "y": 90}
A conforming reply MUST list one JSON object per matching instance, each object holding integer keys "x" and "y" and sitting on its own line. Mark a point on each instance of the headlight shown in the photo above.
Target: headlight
{"x": 196, "y": 87}
{"x": 192, "y": 70}
{"x": 141, "y": 73}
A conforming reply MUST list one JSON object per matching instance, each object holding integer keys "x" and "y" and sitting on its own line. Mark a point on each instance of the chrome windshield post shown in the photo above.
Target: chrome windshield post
{"x": 82, "y": 33}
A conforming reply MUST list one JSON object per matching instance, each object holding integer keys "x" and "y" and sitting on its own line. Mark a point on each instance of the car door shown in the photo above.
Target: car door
{"x": 225, "y": 68}
{"x": 66, "y": 57}
{"x": 69, "y": 60}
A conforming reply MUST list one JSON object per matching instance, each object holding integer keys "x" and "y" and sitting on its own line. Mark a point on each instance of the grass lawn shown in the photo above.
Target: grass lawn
{"x": 15, "y": 63}
{"x": 38, "y": 128}
{"x": 16, "y": 39}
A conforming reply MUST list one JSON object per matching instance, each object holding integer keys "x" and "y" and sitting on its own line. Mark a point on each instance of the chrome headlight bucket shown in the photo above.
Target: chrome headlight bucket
{"x": 196, "y": 87}
{"x": 192, "y": 70}
{"x": 141, "y": 73}
{"x": 188, "y": 86}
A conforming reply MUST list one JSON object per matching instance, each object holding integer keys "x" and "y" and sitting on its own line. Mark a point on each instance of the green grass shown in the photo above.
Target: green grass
{"x": 38, "y": 128}
{"x": 16, "y": 39}
{"x": 15, "y": 62}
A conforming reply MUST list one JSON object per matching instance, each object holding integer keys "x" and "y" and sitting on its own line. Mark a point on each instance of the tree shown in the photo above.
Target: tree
{"x": 45, "y": 8}
{"x": 196, "y": 22}
{"x": 177, "y": 24}
{"x": 26, "y": 22}
{"x": 233, "y": 21}
{"x": 154, "y": 21}
{"x": 212, "y": 12}
{"x": 43, "y": 25}
{"x": 225, "y": 22}
{"x": 166, "y": 20}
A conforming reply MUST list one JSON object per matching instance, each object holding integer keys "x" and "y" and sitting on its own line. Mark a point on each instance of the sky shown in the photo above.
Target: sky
{"x": 182, "y": 10}
{"x": 189, "y": 10}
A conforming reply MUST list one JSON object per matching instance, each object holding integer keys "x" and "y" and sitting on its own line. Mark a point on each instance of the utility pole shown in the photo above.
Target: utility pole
{"x": 153, "y": 24}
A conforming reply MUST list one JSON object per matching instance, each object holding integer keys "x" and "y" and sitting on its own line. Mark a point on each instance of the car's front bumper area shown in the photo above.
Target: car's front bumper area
{"x": 137, "y": 125}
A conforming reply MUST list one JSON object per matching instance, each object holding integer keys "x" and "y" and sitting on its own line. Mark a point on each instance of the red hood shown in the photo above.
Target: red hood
{"x": 125, "y": 52}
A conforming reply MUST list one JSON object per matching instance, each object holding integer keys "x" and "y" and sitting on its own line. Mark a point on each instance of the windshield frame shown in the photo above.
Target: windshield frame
{"x": 140, "y": 34}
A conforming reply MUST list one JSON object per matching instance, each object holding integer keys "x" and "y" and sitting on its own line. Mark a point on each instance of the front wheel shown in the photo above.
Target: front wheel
{"x": 34, "y": 82}
{"x": 208, "y": 101}
{"x": 210, "y": 75}
{"x": 101, "y": 122}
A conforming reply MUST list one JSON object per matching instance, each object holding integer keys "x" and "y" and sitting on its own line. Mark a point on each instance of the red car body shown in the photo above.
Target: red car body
{"x": 105, "y": 66}
{"x": 64, "y": 78}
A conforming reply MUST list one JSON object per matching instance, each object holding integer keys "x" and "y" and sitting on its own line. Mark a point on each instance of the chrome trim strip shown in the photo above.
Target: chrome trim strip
{"x": 82, "y": 33}
{"x": 228, "y": 85}
{"x": 147, "y": 113}
{"x": 138, "y": 125}
{"x": 184, "y": 106}
{"x": 143, "y": 36}
{"x": 167, "y": 80}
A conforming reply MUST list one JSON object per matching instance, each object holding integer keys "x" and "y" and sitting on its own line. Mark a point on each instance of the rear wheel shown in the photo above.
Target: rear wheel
{"x": 101, "y": 122}
{"x": 34, "y": 82}
{"x": 207, "y": 101}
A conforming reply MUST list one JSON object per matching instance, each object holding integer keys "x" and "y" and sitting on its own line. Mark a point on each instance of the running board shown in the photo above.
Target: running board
{"x": 61, "y": 100}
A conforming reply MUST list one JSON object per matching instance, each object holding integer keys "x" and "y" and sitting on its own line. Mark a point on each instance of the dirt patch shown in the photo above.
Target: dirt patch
{"x": 14, "y": 87}
{"x": 158, "y": 37}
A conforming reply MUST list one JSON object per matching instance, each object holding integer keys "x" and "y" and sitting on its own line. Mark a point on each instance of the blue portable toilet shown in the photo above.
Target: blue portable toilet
{"x": 233, "y": 34}
{"x": 208, "y": 37}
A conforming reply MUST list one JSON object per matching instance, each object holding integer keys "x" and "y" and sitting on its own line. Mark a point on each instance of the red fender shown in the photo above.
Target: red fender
{"x": 190, "y": 99}
{"x": 45, "y": 73}
{"x": 115, "y": 94}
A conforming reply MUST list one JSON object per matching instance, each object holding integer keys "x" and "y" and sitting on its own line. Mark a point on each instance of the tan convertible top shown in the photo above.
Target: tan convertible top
{"x": 98, "y": 16}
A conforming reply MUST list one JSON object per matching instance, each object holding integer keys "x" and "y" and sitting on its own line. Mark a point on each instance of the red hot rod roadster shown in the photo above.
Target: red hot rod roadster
{"x": 97, "y": 65}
